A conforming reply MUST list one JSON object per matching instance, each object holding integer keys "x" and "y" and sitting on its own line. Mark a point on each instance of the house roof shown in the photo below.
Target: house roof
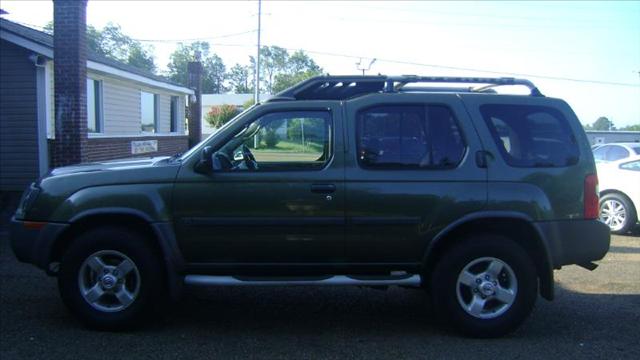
{"x": 43, "y": 42}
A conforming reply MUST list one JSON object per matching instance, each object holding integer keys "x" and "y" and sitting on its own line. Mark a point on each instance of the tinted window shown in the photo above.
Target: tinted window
{"x": 413, "y": 136}
{"x": 634, "y": 165}
{"x": 616, "y": 153}
{"x": 531, "y": 136}
{"x": 636, "y": 149}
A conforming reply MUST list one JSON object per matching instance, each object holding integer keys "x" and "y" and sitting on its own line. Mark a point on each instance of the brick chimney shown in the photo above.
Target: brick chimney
{"x": 194, "y": 69}
{"x": 70, "y": 74}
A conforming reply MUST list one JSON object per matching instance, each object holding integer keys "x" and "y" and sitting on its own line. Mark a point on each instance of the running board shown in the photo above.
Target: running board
{"x": 337, "y": 280}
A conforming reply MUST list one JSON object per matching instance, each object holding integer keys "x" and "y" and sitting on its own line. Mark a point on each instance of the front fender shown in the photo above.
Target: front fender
{"x": 150, "y": 202}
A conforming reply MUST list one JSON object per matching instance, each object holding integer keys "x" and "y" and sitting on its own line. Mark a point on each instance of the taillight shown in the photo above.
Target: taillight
{"x": 591, "y": 197}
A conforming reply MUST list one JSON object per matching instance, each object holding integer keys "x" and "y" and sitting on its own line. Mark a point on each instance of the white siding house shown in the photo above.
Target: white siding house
{"x": 122, "y": 122}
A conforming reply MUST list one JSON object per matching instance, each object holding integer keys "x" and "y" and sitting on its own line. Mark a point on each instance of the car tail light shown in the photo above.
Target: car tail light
{"x": 591, "y": 197}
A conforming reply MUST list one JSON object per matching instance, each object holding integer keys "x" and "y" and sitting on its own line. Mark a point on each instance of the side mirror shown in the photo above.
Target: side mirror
{"x": 205, "y": 165}
{"x": 216, "y": 163}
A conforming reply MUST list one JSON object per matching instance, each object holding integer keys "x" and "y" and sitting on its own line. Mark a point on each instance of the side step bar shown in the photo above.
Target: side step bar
{"x": 337, "y": 280}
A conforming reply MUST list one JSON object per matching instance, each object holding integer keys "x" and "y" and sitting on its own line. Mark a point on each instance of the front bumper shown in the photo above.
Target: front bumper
{"x": 575, "y": 241}
{"x": 32, "y": 242}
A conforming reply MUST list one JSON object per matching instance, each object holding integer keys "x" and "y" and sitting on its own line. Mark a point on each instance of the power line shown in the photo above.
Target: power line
{"x": 469, "y": 69}
{"x": 392, "y": 61}
{"x": 196, "y": 39}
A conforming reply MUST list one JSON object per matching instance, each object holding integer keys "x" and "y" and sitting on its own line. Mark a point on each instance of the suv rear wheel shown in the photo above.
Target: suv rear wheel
{"x": 110, "y": 278}
{"x": 484, "y": 286}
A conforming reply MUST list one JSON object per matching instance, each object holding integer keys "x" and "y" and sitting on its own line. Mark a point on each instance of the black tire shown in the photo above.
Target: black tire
{"x": 149, "y": 289}
{"x": 446, "y": 290}
{"x": 630, "y": 216}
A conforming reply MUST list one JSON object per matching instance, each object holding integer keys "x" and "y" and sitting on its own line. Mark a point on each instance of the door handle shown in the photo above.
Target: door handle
{"x": 323, "y": 188}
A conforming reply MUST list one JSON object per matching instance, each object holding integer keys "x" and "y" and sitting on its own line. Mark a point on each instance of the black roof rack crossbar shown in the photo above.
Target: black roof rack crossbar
{"x": 334, "y": 87}
{"x": 395, "y": 83}
{"x": 346, "y": 87}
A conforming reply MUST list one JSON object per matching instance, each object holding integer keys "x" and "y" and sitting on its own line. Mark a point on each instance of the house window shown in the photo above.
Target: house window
{"x": 94, "y": 106}
{"x": 174, "y": 114}
{"x": 149, "y": 111}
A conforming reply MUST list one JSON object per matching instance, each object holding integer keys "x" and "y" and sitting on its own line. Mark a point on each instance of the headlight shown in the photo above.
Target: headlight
{"x": 28, "y": 198}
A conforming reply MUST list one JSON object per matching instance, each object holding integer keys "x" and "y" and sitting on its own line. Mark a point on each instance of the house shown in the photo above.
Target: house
{"x": 605, "y": 137}
{"x": 130, "y": 112}
{"x": 211, "y": 100}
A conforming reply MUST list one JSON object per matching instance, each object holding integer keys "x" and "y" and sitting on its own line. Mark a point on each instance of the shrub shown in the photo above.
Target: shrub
{"x": 220, "y": 115}
{"x": 270, "y": 138}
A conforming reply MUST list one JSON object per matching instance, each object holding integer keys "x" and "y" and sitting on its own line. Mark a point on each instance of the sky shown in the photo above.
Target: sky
{"x": 587, "y": 53}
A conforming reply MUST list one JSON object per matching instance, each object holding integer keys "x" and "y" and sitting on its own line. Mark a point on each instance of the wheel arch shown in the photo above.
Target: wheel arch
{"x": 514, "y": 225}
{"x": 159, "y": 235}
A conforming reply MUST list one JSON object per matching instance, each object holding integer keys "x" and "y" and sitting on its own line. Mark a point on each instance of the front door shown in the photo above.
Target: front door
{"x": 275, "y": 198}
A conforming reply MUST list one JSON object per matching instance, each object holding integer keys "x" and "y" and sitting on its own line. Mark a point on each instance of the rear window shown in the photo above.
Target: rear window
{"x": 409, "y": 137}
{"x": 531, "y": 136}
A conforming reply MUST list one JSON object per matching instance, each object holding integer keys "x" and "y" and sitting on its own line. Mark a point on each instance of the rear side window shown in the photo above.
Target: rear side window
{"x": 616, "y": 153}
{"x": 531, "y": 136}
{"x": 633, "y": 165}
{"x": 600, "y": 153}
{"x": 409, "y": 137}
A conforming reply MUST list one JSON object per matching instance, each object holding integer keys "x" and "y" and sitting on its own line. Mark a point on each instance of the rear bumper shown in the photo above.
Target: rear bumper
{"x": 32, "y": 242}
{"x": 575, "y": 241}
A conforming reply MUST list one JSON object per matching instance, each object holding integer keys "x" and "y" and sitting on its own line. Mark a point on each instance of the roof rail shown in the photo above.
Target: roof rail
{"x": 395, "y": 83}
{"x": 345, "y": 87}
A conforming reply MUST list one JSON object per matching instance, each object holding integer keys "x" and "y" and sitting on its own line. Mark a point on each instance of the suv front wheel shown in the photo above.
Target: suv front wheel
{"x": 484, "y": 286}
{"x": 110, "y": 278}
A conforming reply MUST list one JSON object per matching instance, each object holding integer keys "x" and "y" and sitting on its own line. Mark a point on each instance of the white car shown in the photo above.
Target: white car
{"x": 619, "y": 193}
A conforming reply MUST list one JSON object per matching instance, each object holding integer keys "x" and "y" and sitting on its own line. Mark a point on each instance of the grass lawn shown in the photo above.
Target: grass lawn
{"x": 288, "y": 151}
{"x": 290, "y": 146}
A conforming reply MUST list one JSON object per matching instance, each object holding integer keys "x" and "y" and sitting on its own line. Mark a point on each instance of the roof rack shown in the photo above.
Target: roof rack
{"x": 347, "y": 87}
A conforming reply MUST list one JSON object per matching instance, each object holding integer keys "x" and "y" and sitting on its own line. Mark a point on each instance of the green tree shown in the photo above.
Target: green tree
{"x": 635, "y": 127}
{"x": 141, "y": 58}
{"x": 603, "y": 124}
{"x": 285, "y": 81}
{"x": 213, "y": 76}
{"x": 112, "y": 43}
{"x": 238, "y": 77}
{"x": 279, "y": 70}
{"x": 301, "y": 62}
{"x": 184, "y": 54}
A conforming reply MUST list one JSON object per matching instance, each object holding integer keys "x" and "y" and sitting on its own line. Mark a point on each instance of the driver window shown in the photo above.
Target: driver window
{"x": 298, "y": 140}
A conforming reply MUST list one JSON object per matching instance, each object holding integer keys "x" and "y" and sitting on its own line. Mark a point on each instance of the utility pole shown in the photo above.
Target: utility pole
{"x": 359, "y": 65}
{"x": 256, "y": 87}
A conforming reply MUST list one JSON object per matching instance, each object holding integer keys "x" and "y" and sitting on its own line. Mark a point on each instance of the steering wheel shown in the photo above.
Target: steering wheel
{"x": 248, "y": 158}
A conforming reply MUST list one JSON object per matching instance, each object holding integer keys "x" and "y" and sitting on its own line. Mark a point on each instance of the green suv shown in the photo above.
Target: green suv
{"x": 472, "y": 195}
